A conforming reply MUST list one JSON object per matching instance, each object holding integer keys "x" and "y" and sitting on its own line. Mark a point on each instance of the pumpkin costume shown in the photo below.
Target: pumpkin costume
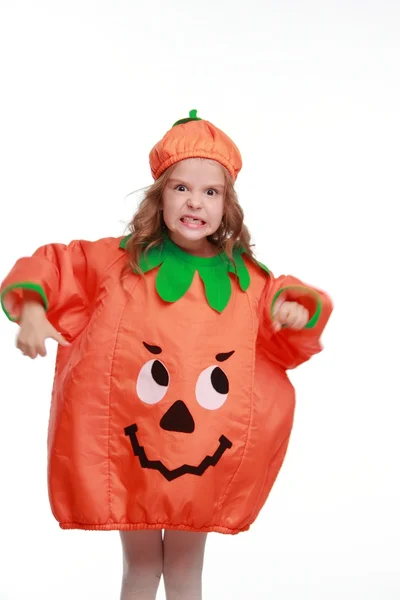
{"x": 171, "y": 408}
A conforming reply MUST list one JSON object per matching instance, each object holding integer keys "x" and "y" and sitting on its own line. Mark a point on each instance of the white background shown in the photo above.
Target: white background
{"x": 310, "y": 92}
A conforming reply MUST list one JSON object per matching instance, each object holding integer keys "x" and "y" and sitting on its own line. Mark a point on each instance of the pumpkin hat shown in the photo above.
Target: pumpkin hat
{"x": 194, "y": 137}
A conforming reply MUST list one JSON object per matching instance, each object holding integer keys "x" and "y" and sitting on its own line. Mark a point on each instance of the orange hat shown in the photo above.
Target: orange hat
{"x": 194, "y": 138}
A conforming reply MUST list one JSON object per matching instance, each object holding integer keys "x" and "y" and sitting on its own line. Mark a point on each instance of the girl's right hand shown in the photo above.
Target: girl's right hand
{"x": 35, "y": 329}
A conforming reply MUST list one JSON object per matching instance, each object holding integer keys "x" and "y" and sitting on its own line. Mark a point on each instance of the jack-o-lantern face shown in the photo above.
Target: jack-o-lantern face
{"x": 211, "y": 392}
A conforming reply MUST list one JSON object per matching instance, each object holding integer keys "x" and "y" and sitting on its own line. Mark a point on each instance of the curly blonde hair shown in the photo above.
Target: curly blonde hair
{"x": 147, "y": 226}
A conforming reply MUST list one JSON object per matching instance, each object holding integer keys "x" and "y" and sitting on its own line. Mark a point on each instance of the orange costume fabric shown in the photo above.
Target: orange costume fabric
{"x": 171, "y": 408}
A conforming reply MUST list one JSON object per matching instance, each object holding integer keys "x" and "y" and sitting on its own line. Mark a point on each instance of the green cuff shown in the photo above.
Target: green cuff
{"x": 25, "y": 285}
{"x": 315, "y": 318}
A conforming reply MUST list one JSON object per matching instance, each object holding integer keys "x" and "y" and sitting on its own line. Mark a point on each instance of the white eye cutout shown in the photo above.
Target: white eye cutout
{"x": 152, "y": 382}
{"x": 212, "y": 388}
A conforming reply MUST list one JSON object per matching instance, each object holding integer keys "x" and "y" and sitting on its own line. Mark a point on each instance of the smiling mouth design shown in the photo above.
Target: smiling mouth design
{"x": 171, "y": 474}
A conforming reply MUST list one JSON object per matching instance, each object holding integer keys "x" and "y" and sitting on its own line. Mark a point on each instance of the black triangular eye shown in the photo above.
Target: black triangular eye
{"x": 160, "y": 373}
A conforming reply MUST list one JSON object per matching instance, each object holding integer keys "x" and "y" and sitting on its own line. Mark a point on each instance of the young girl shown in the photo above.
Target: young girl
{"x": 171, "y": 408}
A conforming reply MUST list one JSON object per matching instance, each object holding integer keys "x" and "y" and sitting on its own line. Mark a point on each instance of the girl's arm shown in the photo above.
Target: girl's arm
{"x": 63, "y": 278}
{"x": 288, "y": 347}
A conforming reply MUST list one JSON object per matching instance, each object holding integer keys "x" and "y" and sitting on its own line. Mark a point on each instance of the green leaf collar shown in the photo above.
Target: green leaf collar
{"x": 177, "y": 269}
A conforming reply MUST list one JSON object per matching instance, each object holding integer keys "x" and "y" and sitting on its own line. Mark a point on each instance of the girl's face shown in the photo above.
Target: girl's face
{"x": 193, "y": 202}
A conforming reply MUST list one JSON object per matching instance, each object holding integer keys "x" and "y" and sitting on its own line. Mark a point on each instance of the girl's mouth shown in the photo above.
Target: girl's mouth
{"x": 192, "y": 222}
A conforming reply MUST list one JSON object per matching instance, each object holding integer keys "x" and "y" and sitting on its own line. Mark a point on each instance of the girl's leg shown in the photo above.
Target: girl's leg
{"x": 142, "y": 564}
{"x": 183, "y": 564}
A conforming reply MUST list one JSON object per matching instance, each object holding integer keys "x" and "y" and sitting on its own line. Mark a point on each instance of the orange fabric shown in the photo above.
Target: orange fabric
{"x": 195, "y": 139}
{"x": 138, "y": 369}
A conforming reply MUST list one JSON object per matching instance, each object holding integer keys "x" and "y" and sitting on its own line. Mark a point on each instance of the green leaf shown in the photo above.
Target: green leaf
{"x": 151, "y": 259}
{"x": 124, "y": 241}
{"x": 174, "y": 278}
{"x": 217, "y": 285}
{"x": 177, "y": 270}
{"x": 242, "y": 271}
{"x": 263, "y": 267}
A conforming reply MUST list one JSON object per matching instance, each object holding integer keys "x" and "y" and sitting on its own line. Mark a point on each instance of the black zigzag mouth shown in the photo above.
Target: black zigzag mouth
{"x": 171, "y": 474}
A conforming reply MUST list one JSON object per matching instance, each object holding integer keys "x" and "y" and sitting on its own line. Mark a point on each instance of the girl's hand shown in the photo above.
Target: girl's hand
{"x": 35, "y": 329}
{"x": 289, "y": 314}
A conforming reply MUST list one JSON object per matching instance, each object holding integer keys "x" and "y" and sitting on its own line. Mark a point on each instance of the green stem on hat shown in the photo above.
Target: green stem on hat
{"x": 192, "y": 117}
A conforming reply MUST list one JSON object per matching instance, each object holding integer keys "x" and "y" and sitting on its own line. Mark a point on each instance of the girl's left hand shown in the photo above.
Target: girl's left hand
{"x": 289, "y": 314}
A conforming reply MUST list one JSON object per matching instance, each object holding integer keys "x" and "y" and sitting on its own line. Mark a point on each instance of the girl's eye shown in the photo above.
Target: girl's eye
{"x": 210, "y": 192}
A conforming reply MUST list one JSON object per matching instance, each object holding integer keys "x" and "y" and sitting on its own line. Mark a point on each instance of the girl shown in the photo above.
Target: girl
{"x": 171, "y": 408}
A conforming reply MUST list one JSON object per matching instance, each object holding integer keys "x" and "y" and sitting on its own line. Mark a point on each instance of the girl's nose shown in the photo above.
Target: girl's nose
{"x": 194, "y": 201}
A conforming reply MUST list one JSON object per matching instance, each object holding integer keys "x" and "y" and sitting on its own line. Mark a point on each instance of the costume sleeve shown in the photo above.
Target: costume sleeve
{"x": 63, "y": 278}
{"x": 288, "y": 347}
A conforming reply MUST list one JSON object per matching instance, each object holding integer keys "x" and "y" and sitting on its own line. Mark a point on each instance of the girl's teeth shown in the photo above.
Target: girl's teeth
{"x": 190, "y": 220}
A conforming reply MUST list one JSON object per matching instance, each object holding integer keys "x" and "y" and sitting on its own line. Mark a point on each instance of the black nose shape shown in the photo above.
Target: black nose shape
{"x": 178, "y": 418}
